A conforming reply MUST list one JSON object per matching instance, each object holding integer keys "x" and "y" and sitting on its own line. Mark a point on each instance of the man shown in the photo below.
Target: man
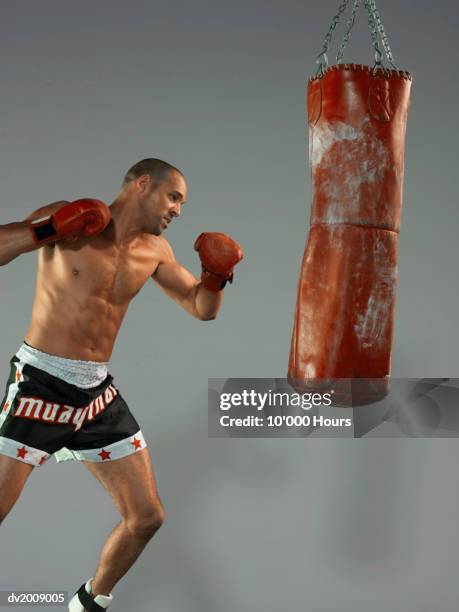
{"x": 92, "y": 260}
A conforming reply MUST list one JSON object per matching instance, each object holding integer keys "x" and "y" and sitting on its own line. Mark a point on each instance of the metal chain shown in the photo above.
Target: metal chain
{"x": 322, "y": 59}
{"x": 374, "y": 33}
{"x": 350, "y": 25}
{"x": 382, "y": 34}
{"x": 376, "y": 27}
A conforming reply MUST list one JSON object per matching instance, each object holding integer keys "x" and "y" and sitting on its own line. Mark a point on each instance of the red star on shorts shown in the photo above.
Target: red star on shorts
{"x": 42, "y": 460}
{"x": 6, "y": 406}
{"x": 104, "y": 454}
{"x": 136, "y": 443}
{"x": 18, "y": 376}
{"x": 22, "y": 452}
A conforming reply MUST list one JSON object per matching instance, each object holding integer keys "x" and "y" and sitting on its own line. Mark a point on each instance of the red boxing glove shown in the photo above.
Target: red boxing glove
{"x": 219, "y": 254}
{"x": 86, "y": 216}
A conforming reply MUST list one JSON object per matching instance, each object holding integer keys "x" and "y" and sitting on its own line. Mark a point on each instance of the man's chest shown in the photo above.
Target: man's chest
{"x": 111, "y": 273}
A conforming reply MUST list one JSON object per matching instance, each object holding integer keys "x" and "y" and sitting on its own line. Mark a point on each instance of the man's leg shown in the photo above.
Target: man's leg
{"x": 131, "y": 483}
{"x": 13, "y": 475}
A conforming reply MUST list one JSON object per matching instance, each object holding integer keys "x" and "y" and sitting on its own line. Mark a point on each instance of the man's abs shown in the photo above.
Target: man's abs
{"x": 82, "y": 294}
{"x": 74, "y": 328}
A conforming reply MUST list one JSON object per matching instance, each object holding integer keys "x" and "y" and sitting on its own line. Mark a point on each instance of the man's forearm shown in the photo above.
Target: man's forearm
{"x": 207, "y": 303}
{"x": 15, "y": 239}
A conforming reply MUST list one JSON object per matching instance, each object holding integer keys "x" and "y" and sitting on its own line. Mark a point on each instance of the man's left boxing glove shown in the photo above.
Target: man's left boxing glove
{"x": 219, "y": 254}
{"x": 86, "y": 216}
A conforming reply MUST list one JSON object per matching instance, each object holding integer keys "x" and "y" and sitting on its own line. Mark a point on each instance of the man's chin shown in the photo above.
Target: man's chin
{"x": 160, "y": 228}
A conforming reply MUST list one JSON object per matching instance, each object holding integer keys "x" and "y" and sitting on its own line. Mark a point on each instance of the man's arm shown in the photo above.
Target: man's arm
{"x": 83, "y": 217}
{"x": 179, "y": 284}
{"x": 16, "y": 239}
{"x": 58, "y": 221}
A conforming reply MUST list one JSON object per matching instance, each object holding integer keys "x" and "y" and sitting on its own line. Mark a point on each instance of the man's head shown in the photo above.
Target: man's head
{"x": 159, "y": 190}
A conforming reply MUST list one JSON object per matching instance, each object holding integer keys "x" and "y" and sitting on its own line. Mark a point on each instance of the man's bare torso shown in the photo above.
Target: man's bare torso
{"x": 83, "y": 291}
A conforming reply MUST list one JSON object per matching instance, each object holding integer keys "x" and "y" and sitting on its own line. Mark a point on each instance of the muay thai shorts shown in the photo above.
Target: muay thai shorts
{"x": 42, "y": 415}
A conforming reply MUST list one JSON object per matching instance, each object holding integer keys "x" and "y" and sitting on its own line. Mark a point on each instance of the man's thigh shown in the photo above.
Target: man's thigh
{"x": 13, "y": 475}
{"x": 131, "y": 483}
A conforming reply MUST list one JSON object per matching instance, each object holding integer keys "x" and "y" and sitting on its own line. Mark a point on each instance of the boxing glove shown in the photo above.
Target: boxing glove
{"x": 218, "y": 254}
{"x": 86, "y": 216}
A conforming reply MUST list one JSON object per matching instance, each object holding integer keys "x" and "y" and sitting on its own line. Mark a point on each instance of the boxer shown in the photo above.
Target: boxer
{"x": 60, "y": 398}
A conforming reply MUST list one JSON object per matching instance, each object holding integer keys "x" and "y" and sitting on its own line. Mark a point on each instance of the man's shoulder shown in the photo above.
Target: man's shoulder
{"x": 162, "y": 248}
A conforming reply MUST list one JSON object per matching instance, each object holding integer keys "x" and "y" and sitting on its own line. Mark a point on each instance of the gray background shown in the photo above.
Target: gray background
{"x": 217, "y": 88}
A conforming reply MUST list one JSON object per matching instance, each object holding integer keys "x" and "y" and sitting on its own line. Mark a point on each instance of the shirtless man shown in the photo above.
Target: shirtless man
{"x": 60, "y": 398}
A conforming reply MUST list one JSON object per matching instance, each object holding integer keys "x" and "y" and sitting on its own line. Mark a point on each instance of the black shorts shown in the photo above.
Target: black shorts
{"x": 42, "y": 415}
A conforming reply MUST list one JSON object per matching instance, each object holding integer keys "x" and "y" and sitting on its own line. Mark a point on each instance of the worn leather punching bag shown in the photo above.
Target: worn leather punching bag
{"x": 344, "y": 316}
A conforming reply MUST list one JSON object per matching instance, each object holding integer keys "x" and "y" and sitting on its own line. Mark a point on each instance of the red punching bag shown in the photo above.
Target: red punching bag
{"x": 344, "y": 317}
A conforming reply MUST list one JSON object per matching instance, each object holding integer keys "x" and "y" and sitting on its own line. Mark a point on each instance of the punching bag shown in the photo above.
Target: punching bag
{"x": 344, "y": 316}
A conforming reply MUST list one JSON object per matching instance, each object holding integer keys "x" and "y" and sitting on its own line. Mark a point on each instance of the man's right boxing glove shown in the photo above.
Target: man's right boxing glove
{"x": 86, "y": 216}
{"x": 219, "y": 254}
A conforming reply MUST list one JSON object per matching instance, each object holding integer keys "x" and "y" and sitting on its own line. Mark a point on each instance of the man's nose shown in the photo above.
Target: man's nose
{"x": 175, "y": 211}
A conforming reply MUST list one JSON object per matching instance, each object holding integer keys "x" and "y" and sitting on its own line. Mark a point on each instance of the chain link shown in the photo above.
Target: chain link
{"x": 322, "y": 59}
{"x": 374, "y": 33}
{"x": 376, "y": 28}
{"x": 350, "y": 25}
{"x": 382, "y": 33}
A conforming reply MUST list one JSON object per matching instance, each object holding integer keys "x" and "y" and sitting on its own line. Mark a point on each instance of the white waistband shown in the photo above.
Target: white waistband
{"x": 84, "y": 374}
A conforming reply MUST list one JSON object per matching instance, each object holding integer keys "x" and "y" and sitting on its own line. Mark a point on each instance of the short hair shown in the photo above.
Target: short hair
{"x": 156, "y": 168}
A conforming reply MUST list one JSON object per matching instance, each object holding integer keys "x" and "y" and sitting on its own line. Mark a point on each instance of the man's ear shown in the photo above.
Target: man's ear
{"x": 144, "y": 183}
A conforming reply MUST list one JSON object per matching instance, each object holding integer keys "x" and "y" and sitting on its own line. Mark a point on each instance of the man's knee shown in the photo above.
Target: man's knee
{"x": 146, "y": 523}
